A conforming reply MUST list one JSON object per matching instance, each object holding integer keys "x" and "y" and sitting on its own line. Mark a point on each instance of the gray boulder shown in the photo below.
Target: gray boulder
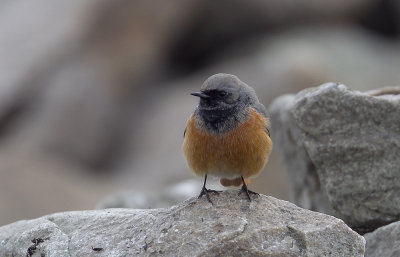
{"x": 343, "y": 145}
{"x": 305, "y": 182}
{"x": 231, "y": 226}
{"x": 385, "y": 241}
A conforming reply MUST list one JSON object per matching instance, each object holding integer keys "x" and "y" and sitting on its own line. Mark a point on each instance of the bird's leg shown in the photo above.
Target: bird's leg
{"x": 245, "y": 189}
{"x": 205, "y": 191}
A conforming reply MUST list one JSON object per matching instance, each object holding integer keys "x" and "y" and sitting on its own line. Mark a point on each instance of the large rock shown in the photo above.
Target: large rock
{"x": 306, "y": 189}
{"x": 231, "y": 226}
{"x": 385, "y": 241}
{"x": 349, "y": 142}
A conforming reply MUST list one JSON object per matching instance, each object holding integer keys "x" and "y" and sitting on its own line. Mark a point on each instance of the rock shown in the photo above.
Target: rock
{"x": 305, "y": 182}
{"x": 232, "y": 226}
{"x": 385, "y": 241}
{"x": 352, "y": 140}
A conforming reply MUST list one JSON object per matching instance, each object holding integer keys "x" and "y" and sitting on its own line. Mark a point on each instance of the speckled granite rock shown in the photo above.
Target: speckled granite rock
{"x": 385, "y": 241}
{"x": 232, "y": 226}
{"x": 350, "y": 142}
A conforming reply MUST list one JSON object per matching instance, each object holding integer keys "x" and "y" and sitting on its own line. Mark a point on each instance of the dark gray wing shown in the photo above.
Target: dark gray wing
{"x": 260, "y": 108}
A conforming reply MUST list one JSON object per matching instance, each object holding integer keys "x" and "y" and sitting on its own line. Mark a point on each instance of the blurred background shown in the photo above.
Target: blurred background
{"x": 94, "y": 95}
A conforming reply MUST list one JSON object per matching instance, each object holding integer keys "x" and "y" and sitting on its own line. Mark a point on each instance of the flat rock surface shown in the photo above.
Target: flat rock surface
{"x": 385, "y": 241}
{"x": 350, "y": 142}
{"x": 232, "y": 226}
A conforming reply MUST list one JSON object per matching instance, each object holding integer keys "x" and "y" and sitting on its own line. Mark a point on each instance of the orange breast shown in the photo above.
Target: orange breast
{"x": 242, "y": 151}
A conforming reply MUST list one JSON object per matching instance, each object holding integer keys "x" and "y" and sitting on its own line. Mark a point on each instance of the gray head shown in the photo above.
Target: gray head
{"x": 224, "y": 102}
{"x": 224, "y": 91}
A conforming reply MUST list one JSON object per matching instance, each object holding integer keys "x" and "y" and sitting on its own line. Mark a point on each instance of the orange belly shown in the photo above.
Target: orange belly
{"x": 242, "y": 151}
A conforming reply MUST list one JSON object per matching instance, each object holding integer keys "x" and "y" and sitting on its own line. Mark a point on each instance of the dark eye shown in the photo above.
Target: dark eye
{"x": 222, "y": 93}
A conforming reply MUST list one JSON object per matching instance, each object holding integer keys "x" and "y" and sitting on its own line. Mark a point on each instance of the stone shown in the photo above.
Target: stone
{"x": 350, "y": 142}
{"x": 384, "y": 241}
{"x": 305, "y": 182}
{"x": 230, "y": 226}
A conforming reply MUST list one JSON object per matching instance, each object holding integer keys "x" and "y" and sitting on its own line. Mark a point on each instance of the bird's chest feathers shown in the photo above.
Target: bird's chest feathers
{"x": 238, "y": 150}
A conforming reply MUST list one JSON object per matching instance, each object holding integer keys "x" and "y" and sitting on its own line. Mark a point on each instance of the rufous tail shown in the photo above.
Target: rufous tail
{"x": 236, "y": 182}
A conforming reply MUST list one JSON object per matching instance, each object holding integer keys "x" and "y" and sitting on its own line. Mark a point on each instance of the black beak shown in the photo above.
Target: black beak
{"x": 200, "y": 94}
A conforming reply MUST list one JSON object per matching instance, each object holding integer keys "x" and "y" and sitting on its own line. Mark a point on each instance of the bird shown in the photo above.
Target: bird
{"x": 227, "y": 136}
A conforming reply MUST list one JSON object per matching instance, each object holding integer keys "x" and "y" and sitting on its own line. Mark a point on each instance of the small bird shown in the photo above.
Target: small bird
{"x": 227, "y": 136}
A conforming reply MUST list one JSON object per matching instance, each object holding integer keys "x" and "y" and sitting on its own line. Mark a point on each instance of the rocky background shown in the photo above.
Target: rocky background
{"x": 341, "y": 150}
{"x": 94, "y": 95}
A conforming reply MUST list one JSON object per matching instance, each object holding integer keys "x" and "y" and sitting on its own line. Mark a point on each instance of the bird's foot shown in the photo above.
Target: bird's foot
{"x": 205, "y": 191}
{"x": 247, "y": 191}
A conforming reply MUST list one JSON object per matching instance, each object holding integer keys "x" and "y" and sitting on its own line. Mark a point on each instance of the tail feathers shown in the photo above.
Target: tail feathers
{"x": 236, "y": 182}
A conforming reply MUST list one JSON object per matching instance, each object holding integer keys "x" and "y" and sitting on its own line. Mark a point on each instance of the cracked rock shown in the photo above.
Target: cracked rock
{"x": 232, "y": 226}
{"x": 343, "y": 145}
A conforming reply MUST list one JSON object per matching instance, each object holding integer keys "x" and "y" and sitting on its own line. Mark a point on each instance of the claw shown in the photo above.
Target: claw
{"x": 246, "y": 190}
{"x": 205, "y": 191}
